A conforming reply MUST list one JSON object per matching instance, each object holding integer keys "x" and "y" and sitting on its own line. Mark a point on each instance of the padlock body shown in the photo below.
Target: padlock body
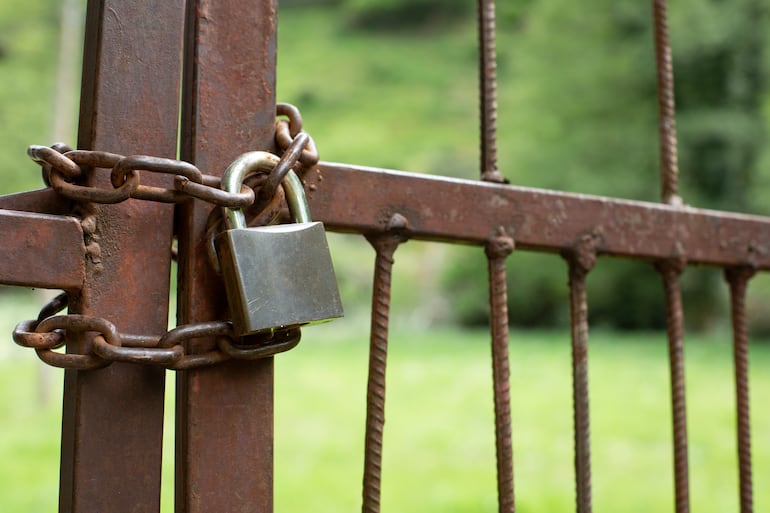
{"x": 278, "y": 276}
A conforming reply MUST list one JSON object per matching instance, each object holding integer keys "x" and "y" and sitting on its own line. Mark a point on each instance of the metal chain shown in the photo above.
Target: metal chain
{"x": 125, "y": 178}
{"x": 286, "y": 132}
{"x": 169, "y": 350}
{"x": 63, "y": 170}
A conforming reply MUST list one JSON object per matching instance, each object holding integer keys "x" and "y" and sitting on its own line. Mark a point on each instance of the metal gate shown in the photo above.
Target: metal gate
{"x": 107, "y": 240}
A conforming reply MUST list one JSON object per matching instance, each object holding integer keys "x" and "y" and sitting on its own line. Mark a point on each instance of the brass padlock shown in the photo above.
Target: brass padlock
{"x": 278, "y": 276}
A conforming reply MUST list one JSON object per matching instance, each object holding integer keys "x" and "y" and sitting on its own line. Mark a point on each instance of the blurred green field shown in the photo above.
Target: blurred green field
{"x": 439, "y": 445}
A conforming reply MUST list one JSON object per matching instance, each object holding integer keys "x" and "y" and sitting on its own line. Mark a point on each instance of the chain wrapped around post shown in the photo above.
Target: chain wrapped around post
{"x": 63, "y": 171}
{"x": 50, "y": 332}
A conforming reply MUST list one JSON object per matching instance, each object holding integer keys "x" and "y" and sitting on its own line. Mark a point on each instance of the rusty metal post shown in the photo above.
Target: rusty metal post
{"x": 224, "y": 450}
{"x": 488, "y": 91}
{"x": 385, "y": 245}
{"x": 670, "y": 271}
{"x": 669, "y": 161}
{"x": 497, "y": 250}
{"x": 581, "y": 261}
{"x": 113, "y": 417}
{"x": 738, "y": 278}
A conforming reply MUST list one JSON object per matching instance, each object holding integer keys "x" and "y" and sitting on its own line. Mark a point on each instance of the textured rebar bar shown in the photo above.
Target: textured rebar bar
{"x": 738, "y": 279}
{"x": 385, "y": 245}
{"x": 669, "y": 165}
{"x": 488, "y": 91}
{"x": 497, "y": 250}
{"x": 580, "y": 264}
{"x": 670, "y": 270}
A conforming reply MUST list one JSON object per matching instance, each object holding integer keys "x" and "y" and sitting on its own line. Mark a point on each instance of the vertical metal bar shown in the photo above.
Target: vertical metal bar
{"x": 738, "y": 279}
{"x": 669, "y": 165}
{"x": 112, "y": 421}
{"x": 385, "y": 245}
{"x": 488, "y": 91}
{"x": 224, "y": 446}
{"x": 497, "y": 250}
{"x": 580, "y": 264}
{"x": 671, "y": 270}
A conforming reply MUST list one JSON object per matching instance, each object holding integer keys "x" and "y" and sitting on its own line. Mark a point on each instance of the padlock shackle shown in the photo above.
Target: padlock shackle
{"x": 295, "y": 197}
{"x": 263, "y": 162}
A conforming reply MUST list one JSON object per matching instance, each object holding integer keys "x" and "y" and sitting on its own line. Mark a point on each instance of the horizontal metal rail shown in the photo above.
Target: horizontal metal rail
{"x": 40, "y": 250}
{"x": 361, "y": 199}
{"x": 43, "y": 201}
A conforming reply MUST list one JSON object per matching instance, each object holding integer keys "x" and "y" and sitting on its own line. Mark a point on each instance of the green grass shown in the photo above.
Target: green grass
{"x": 439, "y": 452}
{"x": 439, "y": 445}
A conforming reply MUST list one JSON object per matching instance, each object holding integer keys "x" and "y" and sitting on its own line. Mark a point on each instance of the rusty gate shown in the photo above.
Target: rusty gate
{"x": 107, "y": 240}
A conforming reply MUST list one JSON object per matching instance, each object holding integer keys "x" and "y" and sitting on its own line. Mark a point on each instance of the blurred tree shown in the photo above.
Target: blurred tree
{"x": 28, "y": 35}
{"x": 721, "y": 72}
{"x": 405, "y": 15}
{"x": 720, "y": 86}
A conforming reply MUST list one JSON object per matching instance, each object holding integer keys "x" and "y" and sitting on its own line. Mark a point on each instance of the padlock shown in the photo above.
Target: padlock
{"x": 278, "y": 276}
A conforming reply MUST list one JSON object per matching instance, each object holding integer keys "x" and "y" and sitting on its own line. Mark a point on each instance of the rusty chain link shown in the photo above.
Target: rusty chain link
{"x": 64, "y": 170}
{"x": 51, "y": 331}
{"x": 126, "y": 179}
